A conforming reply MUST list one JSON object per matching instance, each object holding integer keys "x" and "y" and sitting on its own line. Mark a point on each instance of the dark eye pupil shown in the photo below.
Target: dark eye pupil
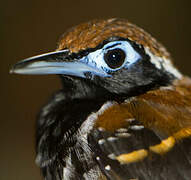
{"x": 115, "y": 58}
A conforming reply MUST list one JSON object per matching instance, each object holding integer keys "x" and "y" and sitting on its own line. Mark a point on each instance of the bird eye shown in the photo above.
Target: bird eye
{"x": 114, "y": 58}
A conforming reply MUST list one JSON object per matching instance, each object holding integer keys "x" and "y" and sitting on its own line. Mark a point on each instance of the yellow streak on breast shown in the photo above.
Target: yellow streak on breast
{"x": 132, "y": 157}
{"x": 182, "y": 134}
{"x": 165, "y": 146}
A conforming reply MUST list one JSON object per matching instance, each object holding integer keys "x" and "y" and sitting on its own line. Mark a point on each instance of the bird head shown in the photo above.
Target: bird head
{"x": 112, "y": 54}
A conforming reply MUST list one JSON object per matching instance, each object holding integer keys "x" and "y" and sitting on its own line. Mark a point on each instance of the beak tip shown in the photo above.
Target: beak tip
{"x": 12, "y": 71}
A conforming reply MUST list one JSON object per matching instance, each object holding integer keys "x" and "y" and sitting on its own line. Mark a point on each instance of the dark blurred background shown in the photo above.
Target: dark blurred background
{"x": 32, "y": 27}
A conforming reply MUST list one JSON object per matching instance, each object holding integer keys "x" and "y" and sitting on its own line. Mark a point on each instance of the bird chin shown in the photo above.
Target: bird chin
{"x": 74, "y": 82}
{"x": 93, "y": 85}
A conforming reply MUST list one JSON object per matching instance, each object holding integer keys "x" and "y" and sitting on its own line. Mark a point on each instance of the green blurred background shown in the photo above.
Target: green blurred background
{"x": 32, "y": 27}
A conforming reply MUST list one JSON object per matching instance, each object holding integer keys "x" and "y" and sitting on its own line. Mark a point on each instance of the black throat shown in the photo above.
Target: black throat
{"x": 60, "y": 119}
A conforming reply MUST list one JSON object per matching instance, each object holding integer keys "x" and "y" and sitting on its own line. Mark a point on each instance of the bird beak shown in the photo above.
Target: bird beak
{"x": 58, "y": 62}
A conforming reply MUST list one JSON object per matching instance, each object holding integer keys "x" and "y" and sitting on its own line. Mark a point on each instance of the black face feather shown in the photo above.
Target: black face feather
{"x": 140, "y": 78}
{"x": 58, "y": 125}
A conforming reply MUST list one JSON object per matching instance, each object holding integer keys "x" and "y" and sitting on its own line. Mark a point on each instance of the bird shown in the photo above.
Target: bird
{"x": 124, "y": 109}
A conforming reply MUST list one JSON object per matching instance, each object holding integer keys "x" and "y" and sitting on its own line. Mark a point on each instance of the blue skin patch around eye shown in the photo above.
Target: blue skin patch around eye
{"x": 96, "y": 59}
